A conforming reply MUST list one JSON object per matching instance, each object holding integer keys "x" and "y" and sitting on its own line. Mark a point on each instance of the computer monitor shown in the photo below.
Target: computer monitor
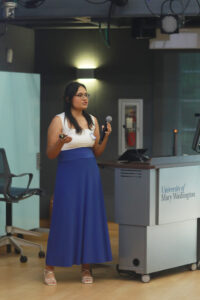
{"x": 196, "y": 139}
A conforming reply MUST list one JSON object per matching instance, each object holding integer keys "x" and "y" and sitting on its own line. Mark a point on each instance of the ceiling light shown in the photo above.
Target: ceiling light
{"x": 169, "y": 24}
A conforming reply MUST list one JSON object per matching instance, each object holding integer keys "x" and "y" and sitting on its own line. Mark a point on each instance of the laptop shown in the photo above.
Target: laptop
{"x": 134, "y": 155}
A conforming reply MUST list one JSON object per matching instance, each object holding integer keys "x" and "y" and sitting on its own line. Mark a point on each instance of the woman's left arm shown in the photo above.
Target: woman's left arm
{"x": 99, "y": 148}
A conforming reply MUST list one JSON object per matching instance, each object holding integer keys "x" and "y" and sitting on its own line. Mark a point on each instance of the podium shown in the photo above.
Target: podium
{"x": 157, "y": 206}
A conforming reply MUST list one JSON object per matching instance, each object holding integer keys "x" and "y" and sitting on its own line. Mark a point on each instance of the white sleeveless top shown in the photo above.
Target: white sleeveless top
{"x": 84, "y": 139}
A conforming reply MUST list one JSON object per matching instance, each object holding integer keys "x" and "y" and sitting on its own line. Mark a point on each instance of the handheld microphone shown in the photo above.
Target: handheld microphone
{"x": 107, "y": 120}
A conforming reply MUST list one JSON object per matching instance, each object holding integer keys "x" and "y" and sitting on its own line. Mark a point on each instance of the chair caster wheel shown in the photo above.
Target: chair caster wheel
{"x": 23, "y": 259}
{"x": 41, "y": 254}
{"x": 193, "y": 267}
{"x": 145, "y": 278}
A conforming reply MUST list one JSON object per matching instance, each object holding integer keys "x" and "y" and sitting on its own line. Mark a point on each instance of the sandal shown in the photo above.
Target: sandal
{"x": 86, "y": 276}
{"x": 49, "y": 280}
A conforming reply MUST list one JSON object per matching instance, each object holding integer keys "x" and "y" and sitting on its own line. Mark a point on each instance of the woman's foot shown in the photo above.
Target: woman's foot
{"x": 86, "y": 275}
{"x": 49, "y": 277}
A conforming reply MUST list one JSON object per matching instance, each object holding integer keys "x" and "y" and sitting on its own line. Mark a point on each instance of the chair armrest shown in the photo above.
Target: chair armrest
{"x": 24, "y": 174}
{"x": 8, "y": 185}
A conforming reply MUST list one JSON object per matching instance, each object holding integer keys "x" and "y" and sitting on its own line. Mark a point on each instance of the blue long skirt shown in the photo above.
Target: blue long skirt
{"x": 78, "y": 232}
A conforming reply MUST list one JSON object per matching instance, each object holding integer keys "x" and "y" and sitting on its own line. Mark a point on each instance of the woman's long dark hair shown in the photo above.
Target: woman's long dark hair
{"x": 70, "y": 91}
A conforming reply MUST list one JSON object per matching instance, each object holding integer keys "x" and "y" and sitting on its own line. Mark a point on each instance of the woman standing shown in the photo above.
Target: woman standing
{"x": 78, "y": 233}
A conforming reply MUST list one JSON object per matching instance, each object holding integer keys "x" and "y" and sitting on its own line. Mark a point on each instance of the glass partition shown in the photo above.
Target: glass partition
{"x": 20, "y": 137}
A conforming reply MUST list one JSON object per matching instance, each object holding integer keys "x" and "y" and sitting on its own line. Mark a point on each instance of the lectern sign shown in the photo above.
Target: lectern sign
{"x": 179, "y": 194}
{"x": 176, "y": 192}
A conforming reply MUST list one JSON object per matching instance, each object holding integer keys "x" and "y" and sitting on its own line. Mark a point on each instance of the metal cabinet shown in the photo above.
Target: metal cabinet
{"x": 130, "y": 131}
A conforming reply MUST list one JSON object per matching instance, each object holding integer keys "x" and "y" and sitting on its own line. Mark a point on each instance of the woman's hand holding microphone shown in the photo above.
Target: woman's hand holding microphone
{"x": 108, "y": 129}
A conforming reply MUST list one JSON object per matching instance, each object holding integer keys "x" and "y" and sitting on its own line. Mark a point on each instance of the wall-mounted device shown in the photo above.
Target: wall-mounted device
{"x": 9, "y": 9}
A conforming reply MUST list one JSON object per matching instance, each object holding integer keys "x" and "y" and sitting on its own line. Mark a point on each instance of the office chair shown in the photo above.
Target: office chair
{"x": 13, "y": 195}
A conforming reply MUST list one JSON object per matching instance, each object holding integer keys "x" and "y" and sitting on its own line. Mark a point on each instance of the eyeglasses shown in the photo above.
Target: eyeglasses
{"x": 81, "y": 95}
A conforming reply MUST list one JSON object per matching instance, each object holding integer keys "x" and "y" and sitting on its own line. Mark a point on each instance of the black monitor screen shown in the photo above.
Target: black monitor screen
{"x": 196, "y": 139}
{"x": 133, "y": 155}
